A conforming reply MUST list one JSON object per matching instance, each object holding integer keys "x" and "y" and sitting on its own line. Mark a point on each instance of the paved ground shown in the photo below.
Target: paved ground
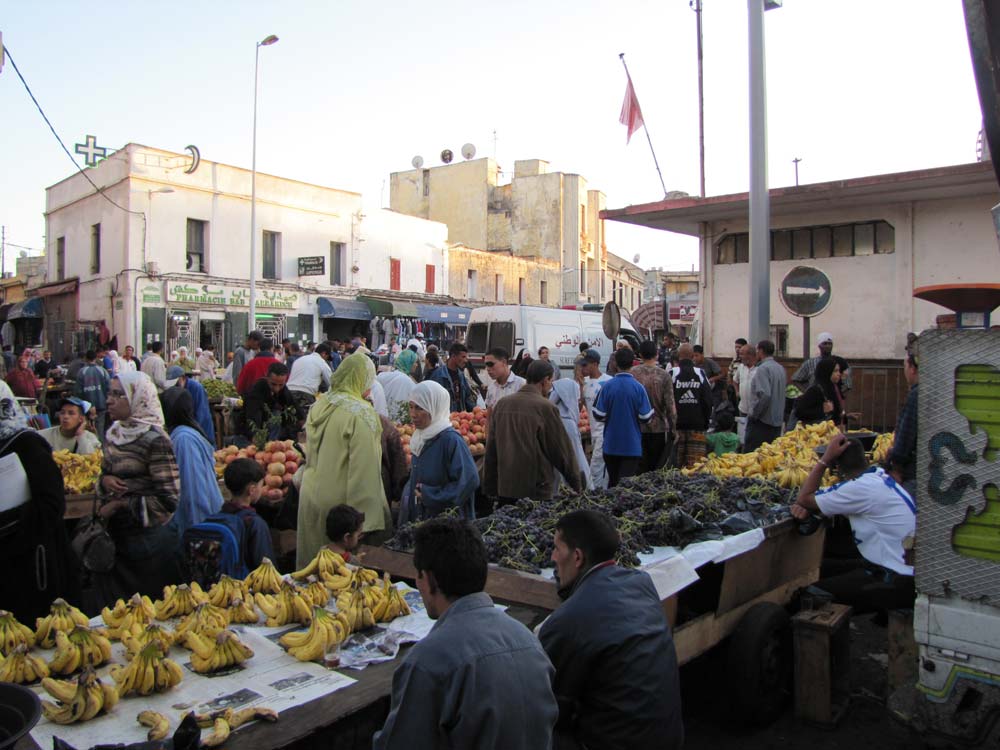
{"x": 866, "y": 724}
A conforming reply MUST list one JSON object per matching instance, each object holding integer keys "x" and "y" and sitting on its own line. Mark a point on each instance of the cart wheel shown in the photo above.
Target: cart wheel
{"x": 759, "y": 664}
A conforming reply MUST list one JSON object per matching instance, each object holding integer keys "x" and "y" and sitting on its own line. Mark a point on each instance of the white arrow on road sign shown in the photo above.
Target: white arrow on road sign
{"x": 805, "y": 290}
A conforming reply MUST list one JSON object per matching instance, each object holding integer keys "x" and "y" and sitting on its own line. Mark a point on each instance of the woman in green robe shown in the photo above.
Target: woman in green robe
{"x": 343, "y": 459}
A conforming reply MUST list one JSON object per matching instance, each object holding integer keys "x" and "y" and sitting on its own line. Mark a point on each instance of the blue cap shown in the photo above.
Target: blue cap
{"x": 85, "y": 406}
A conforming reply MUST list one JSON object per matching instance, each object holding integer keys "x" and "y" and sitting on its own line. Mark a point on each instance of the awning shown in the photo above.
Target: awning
{"x": 56, "y": 287}
{"x": 444, "y": 314}
{"x": 330, "y": 307}
{"x": 390, "y": 308}
{"x": 4, "y": 310}
{"x": 29, "y": 308}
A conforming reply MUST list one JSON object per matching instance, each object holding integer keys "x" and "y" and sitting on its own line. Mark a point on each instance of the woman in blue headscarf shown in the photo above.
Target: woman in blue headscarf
{"x": 202, "y": 411}
{"x": 199, "y": 488}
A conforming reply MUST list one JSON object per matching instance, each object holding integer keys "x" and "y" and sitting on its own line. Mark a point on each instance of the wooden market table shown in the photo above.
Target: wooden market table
{"x": 79, "y": 506}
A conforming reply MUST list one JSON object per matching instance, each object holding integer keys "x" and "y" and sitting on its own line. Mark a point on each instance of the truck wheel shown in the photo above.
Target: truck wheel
{"x": 759, "y": 664}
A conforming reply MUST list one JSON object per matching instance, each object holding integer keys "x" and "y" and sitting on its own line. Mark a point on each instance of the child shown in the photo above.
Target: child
{"x": 343, "y": 529}
{"x": 244, "y": 479}
{"x": 724, "y": 439}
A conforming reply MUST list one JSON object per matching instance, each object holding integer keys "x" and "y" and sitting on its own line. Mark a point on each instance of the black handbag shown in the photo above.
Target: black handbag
{"x": 93, "y": 545}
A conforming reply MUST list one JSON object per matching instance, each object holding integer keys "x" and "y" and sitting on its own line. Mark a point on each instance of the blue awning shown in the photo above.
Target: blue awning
{"x": 29, "y": 308}
{"x": 444, "y": 314}
{"x": 330, "y": 307}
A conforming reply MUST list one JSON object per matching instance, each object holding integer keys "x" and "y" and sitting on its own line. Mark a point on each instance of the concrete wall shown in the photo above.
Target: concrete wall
{"x": 872, "y": 308}
{"x": 488, "y": 264}
{"x": 414, "y": 242}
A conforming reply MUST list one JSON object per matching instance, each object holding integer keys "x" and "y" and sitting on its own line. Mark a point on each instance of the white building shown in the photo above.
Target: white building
{"x": 164, "y": 253}
{"x": 877, "y": 239}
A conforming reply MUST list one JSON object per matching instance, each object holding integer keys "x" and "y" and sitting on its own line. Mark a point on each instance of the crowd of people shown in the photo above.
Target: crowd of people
{"x": 592, "y": 677}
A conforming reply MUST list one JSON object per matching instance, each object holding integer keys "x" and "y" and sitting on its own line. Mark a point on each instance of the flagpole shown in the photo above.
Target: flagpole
{"x": 645, "y": 127}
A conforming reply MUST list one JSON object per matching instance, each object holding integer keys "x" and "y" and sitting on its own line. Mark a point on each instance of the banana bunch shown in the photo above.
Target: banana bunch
{"x": 316, "y": 593}
{"x": 326, "y": 561}
{"x": 152, "y": 633}
{"x": 212, "y": 653}
{"x": 338, "y": 581}
{"x": 129, "y": 617}
{"x": 83, "y": 647}
{"x": 62, "y": 616}
{"x": 223, "y": 722}
{"x": 883, "y": 444}
{"x": 326, "y": 630}
{"x": 13, "y": 633}
{"x": 391, "y": 604}
{"x": 241, "y": 611}
{"x": 179, "y": 601}
{"x": 264, "y": 579}
{"x": 227, "y": 589}
{"x": 159, "y": 725}
{"x": 373, "y": 595}
{"x": 79, "y": 700}
{"x": 79, "y": 473}
{"x": 366, "y": 576}
{"x": 149, "y": 671}
{"x": 21, "y": 667}
{"x": 351, "y": 603}
{"x": 206, "y": 619}
{"x": 286, "y": 606}
{"x": 792, "y": 477}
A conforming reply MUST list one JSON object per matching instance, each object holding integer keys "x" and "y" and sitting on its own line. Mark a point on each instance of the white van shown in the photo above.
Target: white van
{"x": 517, "y": 327}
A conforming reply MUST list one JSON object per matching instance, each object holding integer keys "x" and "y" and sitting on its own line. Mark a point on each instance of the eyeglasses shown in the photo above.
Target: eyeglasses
{"x": 489, "y": 364}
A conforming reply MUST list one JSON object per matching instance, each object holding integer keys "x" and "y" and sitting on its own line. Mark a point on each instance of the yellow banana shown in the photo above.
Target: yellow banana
{"x": 159, "y": 725}
{"x": 21, "y": 667}
{"x": 264, "y": 579}
{"x": 13, "y": 633}
{"x": 246, "y": 715}
{"x": 220, "y": 733}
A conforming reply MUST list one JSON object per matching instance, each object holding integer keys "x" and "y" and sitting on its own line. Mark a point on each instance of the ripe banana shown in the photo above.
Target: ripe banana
{"x": 326, "y": 561}
{"x": 79, "y": 700}
{"x": 220, "y": 733}
{"x": 310, "y": 645}
{"x": 366, "y": 576}
{"x": 210, "y": 654}
{"x": 151, "y": 633}
{"x": 179, "y": 601}
{"x": 287, "y": 606}
{"x": 241, "y": 611}
{"x": 246, "y": 715}
{"x": 148, "y": 671}
{"x": 21, "y": 667}
{"x": 316, "y": 593}
{"x": 264, "y": 579}
{"x": 159, "y": 725}
{"x": 339, "y": 581}
{"x": 129, "y": 617}
{"x": 62, "y": 616}
{"x": 81, "y": 647}
{"x": 227, "y": 589}
{"x": 206, "y": 618}
{"x": 13, "y": 633}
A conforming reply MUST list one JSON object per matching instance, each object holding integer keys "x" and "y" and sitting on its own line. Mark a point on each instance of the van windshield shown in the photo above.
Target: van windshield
{"x": 502, "y": 336}
{"x": 475, "y": 338}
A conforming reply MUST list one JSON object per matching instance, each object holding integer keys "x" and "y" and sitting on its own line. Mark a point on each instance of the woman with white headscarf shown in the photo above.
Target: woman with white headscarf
{"x": 443, "y": 473}
{"x": 138, "y": 491}
{"x": 566, "y": 396}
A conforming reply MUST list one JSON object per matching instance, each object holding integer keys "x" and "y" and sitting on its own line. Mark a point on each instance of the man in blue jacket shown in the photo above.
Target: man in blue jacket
{"x": 450, "y": 375}
{"x": 616, "y": 668}
{"x": 623, "y": 405}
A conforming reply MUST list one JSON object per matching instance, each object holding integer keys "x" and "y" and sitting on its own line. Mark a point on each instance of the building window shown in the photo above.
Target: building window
{"x": 472, "y": 286}
{"x": 522, "y": 292}
{"x": 543, "y": 292}
{"x": 498, "y": 288}
{"x": 583, "y": 221}
{"x": 429, "y": 271}
{"x": 583, "y": 278}
{"x": 640, "y": 298}
{"x": 60, "y": 258}
{"x": 338, "y": 264}
{"x": 95, "y": 248}
{"x": 804, "y": 243}
{"x": 779, "y": 335}
{"x": 394, "y": 274}
{"x": 196, "y": 246}
{"x": 427, "y": 182}
{"x": 271, "y": 246}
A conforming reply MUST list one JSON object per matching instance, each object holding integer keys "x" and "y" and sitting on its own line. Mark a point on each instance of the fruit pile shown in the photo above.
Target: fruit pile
{"x": 219, "y": 389}
{"x": 80, "y": 473}
{"x": 471, "y": 425}
{"x": 279, "y": 459}
{"x": 584, "y": 422}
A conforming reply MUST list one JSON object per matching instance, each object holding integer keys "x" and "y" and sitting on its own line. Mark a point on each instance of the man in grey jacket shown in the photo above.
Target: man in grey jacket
{"x": 766, "y": 414}
{"x": 616, "y": 668}
{"x": 480, "y": 678}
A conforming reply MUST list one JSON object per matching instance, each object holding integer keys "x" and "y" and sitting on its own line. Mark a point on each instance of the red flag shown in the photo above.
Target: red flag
{"x": 631, "y": 116}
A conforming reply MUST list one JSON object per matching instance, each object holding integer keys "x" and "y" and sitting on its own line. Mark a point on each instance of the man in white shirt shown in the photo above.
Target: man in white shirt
{"x": 589, "y": 366}
{"x": 418, "y": 341}
{"x": 503, "y": 381}
{"x": 71, "y": 433}
{"x": 883, "y": 520}
{"x": 155, "y": 367}
{"x": 744, "y": 371}
{"x": 127, "y": 363}
{"x": 310, "y": 375}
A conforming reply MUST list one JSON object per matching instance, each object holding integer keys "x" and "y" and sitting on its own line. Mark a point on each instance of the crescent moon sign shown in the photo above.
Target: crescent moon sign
{"x": 195, "y": 159}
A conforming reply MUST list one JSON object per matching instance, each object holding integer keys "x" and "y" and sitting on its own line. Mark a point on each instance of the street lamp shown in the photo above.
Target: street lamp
{"x": 265, "y": 42}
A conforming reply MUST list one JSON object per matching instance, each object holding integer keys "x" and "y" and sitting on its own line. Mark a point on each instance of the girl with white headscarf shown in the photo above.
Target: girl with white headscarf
{"x": 138, "y": 491}
{"x": 566, "y": 395}
{"x": 443, "y": 474}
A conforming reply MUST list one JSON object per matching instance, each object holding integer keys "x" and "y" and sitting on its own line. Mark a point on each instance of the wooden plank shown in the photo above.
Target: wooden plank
{"x": 78, "y": 506}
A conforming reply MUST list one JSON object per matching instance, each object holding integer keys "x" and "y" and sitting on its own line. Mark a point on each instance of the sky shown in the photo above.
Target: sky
{"x": 353, "y": 90}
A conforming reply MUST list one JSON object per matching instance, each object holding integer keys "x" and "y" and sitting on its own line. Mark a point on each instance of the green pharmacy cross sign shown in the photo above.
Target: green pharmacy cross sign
{"x": 91, "y": 151}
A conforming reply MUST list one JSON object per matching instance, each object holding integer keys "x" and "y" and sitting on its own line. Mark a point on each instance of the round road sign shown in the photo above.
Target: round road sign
{"x": 805, "y": 291}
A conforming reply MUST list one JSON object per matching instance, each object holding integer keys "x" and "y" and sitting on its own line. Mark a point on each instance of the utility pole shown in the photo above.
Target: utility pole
{"x": 3, "y": 252}
{"x": 696, "y": 6}
{"x": 796, "y": 161}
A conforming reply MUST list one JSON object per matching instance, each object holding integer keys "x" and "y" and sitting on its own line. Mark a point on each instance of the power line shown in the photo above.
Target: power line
{"x": 6, "y": 51}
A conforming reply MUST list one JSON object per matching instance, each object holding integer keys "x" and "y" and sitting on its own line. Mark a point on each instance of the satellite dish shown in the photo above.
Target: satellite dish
{"x": 636, "y": 258}
{"x": 468, "y": 151}
{"x": 447, "y": 156}
{"x": 417, "y": 162}
{"x": 22, "y": 254}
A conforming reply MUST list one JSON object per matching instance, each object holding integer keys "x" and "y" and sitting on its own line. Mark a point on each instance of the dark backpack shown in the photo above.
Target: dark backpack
{"x": 216, "y": 547}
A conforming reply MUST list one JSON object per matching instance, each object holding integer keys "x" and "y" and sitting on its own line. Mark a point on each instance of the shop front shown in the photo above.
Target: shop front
{"x": 343, "y": 318}
{"x": 60, "y": 323}
{"x": 442, "y": 324}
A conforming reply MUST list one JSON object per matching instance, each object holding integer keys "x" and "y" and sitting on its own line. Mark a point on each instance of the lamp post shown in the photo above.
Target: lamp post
{"x": 265, "y": 42}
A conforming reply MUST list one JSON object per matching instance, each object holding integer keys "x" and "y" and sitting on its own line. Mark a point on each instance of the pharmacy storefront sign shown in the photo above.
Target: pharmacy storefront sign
{"x": 224, "y": 295}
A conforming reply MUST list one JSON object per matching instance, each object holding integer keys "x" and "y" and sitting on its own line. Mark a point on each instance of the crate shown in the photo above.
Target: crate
{"x": 822, "y": 663}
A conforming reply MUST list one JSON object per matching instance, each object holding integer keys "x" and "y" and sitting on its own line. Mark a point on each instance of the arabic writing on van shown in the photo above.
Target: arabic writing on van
{"x": 230, "y": 296}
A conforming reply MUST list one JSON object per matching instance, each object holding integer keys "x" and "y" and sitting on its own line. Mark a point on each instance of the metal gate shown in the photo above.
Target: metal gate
{"x": 273, "y": 327}
{"x": 179, "y": 331}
